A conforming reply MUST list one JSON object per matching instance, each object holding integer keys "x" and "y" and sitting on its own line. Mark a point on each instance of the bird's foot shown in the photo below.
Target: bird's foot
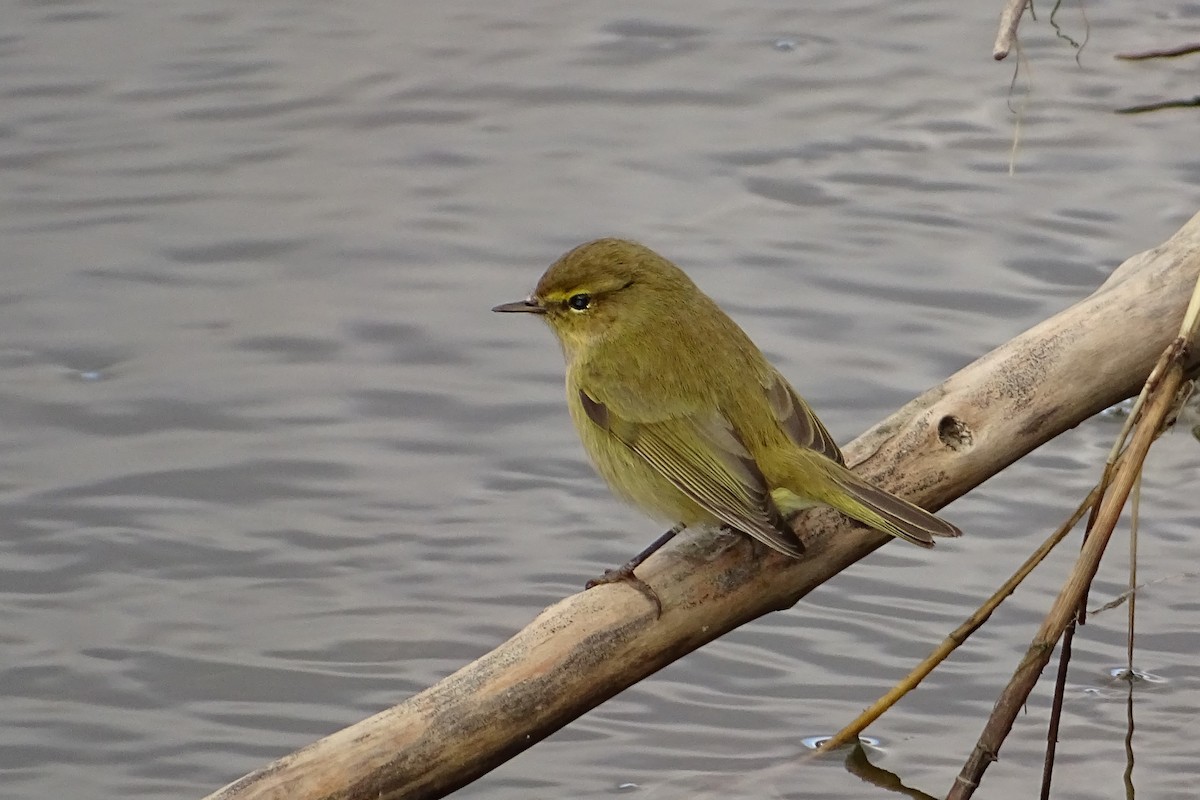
{"x": 625, "y": 575}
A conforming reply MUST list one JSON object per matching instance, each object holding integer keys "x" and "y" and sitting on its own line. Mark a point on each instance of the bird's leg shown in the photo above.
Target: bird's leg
{"x": 625, "y": 571}
{"x": 758, "y": 548}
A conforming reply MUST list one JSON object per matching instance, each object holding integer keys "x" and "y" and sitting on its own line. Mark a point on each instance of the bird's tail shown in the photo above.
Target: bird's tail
{"x": 862, "y": 500}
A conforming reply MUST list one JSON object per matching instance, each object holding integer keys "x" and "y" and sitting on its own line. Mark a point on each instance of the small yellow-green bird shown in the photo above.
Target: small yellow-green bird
{"x": 683, "y": 416}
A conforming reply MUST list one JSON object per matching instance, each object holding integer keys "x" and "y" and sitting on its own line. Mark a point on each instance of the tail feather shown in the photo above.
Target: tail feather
{"x": 870, "y": 505}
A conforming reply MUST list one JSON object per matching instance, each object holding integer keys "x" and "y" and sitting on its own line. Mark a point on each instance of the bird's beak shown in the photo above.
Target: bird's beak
{"x": 527, "y": 306}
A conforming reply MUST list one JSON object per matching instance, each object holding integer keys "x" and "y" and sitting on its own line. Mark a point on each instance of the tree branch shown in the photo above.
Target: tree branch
{"x": 1010, "y": 18}
{"x": 590, "y": 646}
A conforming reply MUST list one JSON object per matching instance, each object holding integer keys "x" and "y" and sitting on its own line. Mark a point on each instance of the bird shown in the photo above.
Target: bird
{"x": 682, "y": 414}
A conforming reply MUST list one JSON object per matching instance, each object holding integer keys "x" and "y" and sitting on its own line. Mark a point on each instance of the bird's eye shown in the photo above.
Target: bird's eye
{"x": 580, "y": 301}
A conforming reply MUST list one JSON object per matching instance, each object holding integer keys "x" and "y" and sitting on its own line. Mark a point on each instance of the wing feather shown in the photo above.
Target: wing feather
{"x": 706, "y": 461}
{"x": 797, "y": 419}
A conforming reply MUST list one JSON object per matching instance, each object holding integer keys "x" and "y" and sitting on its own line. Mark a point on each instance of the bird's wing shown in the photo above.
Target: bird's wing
{"x": 702, "y": 456}
{"x": 798, "y": 420}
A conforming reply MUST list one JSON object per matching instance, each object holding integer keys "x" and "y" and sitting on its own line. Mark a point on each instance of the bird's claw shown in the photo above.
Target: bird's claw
{"x": 625, "y": 575}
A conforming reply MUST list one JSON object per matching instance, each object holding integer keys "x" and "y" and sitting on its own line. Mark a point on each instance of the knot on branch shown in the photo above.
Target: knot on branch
{"x": 955, "y": 433}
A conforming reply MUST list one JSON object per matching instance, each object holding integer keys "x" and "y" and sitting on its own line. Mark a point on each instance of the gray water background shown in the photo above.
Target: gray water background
{"x": 268, "y": 465}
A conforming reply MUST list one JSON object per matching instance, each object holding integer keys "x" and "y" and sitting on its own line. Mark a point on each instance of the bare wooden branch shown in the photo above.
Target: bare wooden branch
{"x": 590, "y": 646}
{"x": 1010, "y": 18}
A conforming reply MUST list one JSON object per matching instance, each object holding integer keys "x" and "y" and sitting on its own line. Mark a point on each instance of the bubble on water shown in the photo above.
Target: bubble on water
{"x": 90, "y": 375}
{"x": 785, "y": 45}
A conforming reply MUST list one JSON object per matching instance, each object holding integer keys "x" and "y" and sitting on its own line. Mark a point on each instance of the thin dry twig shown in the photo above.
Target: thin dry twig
{"x": 1120, "y": 599}
{"x": 1058, "y": 31}
{"x": 1056, "y": 706}
{"x": 1160, "y": 106}
{"x": 1065, "y": 606}
{"x": 1068, "y": 636}
{"x": 1163, "y": 389}
{"x": 1019, "y": 111}
{"x": 1171, "y": 52}
{"x": 1136, "y": 502}
{"x": 959, "y": 635}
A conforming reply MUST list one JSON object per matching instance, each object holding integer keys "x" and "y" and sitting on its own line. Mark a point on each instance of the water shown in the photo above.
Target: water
{"x": 269, "y": 465}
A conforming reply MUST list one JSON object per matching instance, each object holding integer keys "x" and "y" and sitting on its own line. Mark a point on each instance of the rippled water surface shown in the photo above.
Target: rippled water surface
{"x": 268, "y": 464}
